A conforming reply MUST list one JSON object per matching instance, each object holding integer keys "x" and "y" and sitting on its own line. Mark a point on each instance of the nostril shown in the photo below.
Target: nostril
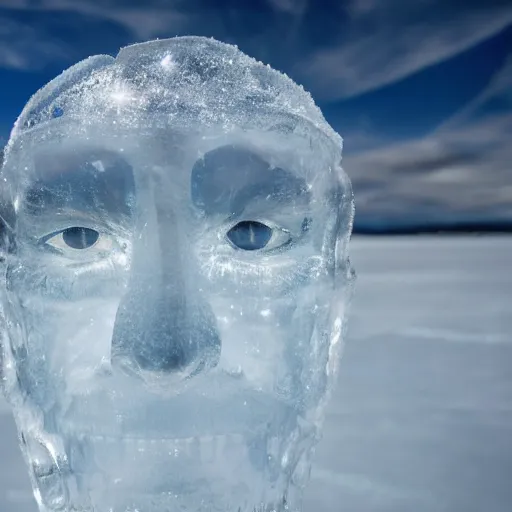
{"x": 162, "y": 360}
{"x": 163, "y": 338}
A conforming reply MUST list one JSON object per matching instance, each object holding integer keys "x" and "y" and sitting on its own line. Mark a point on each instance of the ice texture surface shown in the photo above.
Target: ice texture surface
{"x": 175, "y": 227}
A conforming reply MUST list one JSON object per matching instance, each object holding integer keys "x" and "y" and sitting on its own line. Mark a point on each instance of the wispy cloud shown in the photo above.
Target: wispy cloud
{"x": 295, "y": 7}
{"x": 460, "y": 172}
{"x": 365, "y": 44}
{"x": 31, "y": 43}
{"x": 22, "y": 47}
{"x": 498, "y": 90}
{"x": 384, "y": 42}
{"x": 144, "y": 20}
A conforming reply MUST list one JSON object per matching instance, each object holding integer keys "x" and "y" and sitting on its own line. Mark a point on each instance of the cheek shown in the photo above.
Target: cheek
{"x": 270, "y": 340}
{"x": 73, "y": 341}
{"x": 255, "y": 337}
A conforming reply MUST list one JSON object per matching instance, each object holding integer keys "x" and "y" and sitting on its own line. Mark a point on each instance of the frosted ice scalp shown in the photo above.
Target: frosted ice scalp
{"x": 175, "y": 240}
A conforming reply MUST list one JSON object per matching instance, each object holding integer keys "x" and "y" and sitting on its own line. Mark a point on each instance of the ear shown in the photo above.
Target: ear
{"x": 3, "y": 322}
{"x": 345, "y": 276}
{"x": 338, "y": 316}
{"x": 3, "y": 326}
{"x": 9, "y": 332}
{"x": 6, "y": 247}
{"x": 7, "y": 216}
{"x": 2, "y": 288}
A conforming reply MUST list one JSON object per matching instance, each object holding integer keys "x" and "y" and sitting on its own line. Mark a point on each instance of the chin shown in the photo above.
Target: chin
{"x": 250, "y": 472}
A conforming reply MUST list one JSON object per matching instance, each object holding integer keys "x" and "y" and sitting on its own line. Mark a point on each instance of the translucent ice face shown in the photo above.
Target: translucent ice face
{"x": 174, "y": 249}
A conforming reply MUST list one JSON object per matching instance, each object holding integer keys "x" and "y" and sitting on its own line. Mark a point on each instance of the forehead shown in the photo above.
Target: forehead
{"x": 204, "y": 166}
{"x": 193, "y": 80}
{"x": 195, "y": 114}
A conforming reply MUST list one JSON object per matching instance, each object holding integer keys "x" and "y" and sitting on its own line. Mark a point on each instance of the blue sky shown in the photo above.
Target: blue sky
{"x": 421, "y": 91}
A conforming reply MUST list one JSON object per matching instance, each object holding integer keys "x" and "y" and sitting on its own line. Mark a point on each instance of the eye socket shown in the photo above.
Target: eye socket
{"x": 79, "y": 239}
{"x": 250, "y": 235}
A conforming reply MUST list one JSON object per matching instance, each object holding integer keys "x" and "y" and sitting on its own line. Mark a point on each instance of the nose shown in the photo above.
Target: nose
{"x": 163, "y": 324}
{"x": 163, "y": 333}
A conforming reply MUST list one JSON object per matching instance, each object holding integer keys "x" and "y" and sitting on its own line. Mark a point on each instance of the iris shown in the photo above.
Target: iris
{"x": 250, "y": 235}
{"x": 80, "y": 238}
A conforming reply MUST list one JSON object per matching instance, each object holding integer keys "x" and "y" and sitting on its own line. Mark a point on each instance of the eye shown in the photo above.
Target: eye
{"x": 79, "y": 239}
{"x": 251, "y": 235}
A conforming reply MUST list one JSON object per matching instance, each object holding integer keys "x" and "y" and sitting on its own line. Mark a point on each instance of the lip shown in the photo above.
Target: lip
{"x": 215, "y": 407}
{"x": 124, "y": 474}
{"x": 195, "y": 450}
{"x": 212, "y": 465}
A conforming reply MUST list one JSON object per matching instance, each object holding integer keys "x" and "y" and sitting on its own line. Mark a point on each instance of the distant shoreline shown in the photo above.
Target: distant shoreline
{"x": 453, "y": 229}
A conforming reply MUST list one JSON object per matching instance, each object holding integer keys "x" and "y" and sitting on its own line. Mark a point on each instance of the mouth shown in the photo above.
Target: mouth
{"x": 125, "y": 448}
{"x": 201, "y": 449}
{"x": 131, "y": 473}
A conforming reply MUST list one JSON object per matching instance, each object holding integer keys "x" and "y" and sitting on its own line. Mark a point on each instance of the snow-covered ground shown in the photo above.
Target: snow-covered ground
{"x": 422, "y": 416}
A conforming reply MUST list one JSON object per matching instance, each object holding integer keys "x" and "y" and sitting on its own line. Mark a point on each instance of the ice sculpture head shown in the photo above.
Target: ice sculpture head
{"x": 174, "y": 250}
